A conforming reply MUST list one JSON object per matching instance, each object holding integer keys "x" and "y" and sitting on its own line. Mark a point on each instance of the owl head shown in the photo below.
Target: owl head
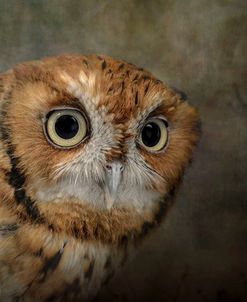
{"x": 90, "y": 132}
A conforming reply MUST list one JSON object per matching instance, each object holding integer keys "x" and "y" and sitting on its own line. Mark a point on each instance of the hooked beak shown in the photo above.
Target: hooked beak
{"x": 113, "y": 178}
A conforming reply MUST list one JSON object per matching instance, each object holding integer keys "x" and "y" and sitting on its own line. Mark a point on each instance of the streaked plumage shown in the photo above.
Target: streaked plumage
{"x": 72, "y": 207}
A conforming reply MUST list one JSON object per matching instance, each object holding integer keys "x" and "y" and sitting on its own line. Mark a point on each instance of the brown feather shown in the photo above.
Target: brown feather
{"x": 64, "y": 248}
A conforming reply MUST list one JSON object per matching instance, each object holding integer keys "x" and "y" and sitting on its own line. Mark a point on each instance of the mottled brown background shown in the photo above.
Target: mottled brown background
{"x": 199, "y": 46}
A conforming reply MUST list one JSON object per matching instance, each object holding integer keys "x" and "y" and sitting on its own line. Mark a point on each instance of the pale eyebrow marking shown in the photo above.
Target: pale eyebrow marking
{"x": 142, "y": 116}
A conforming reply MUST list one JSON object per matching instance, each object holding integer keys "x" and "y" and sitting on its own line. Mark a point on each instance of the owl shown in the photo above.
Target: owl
{"x": 92, "y": 151}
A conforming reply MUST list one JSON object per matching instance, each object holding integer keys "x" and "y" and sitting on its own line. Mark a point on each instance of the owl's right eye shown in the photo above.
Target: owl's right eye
{"x": 154, "y": 135}
{"x": 66, "y": 128}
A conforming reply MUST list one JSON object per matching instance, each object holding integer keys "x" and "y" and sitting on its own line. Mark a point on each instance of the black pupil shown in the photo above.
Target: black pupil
{"x": 66, "y": 126}
{"x": 151, "y": 134}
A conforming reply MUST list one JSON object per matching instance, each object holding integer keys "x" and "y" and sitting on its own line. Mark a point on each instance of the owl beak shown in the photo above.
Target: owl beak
{"x": 113, "y": 178}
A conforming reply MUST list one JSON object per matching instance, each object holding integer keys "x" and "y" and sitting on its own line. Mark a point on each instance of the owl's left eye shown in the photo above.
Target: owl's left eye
{"x": 66, "y": 128}
{"x": 154, "y": 135}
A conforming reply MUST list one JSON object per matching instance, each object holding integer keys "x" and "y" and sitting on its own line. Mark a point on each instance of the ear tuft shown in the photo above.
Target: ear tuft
{"x": 182, "y": 94}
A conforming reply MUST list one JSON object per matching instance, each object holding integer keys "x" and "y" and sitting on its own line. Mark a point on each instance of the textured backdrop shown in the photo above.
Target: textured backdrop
{"x": 198, "y": 46}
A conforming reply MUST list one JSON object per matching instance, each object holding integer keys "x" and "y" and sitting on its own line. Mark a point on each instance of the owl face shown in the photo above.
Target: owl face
{"x": 96, "y": 131}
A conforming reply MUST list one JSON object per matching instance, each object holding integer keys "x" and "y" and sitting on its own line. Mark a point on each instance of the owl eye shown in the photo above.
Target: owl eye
{"x": 66, "y": 128}
{"x": 154, "y": 134}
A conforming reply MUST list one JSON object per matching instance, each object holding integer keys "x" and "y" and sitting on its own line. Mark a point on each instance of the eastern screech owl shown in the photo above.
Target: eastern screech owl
{"x": 92, "y": 151}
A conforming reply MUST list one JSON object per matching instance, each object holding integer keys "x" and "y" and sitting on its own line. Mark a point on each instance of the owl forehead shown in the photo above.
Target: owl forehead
{"x": 105, "y": 87}
{"x": 115, "y": 95}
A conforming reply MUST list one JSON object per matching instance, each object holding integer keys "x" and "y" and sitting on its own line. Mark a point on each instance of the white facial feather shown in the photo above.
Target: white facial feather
{"x": 84, "y": 177}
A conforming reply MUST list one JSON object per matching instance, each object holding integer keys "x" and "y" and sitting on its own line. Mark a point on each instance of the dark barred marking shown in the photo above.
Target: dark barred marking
{"x": 146, "y": 77}
{"x": 51, "y": 264}
{"x": 121, "y": 66}
{"x": 157, "y": 82}
{"x": 146, "y": 88}
{"x": 76, "y": 231}
{"x": 16, "y": 179}
{"x": 51, "y": 227}
{"x": 110, "y": 90}
{"x": 135, "y": 78}
{"x": 136, "y": 98}
{"x": 96, "y": 232}
{"x": 109, "y": 71}
{"x": 108, "y": 278}
{"x": 122, "y": 87}
{"x": 8, "y": 229}
{"x": 85, "y": 62}
{"x": 164, "y": 206}
{"x": 182, "y": 94}
{"x": 89, "y": 272}
{"x": 103, "y": 65}
{"x": 39, "y": 253}
{"x": 108, "y": 263}
{"x": 70, "y": 292}
{"x": 123, "y": 242}
{"x": 146, "y": 227}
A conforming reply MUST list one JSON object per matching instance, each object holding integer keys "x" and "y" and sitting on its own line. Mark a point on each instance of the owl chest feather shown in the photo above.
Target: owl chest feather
{"x": 69, "y": 250}
{"x": 38, "y": 266}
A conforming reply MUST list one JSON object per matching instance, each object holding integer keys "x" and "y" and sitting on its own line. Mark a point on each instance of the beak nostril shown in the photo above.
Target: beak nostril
{"x": 114, "y": 166}
{"x": 108, "y": 167}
